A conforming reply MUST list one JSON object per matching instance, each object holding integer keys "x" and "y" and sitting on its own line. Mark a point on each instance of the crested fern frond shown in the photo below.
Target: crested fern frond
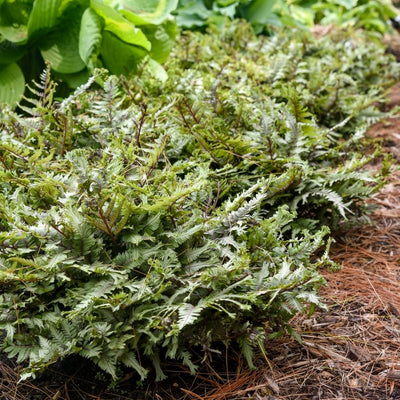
{"x": 334, "y": 198}
{"x": 189, "y": 313}
{"x": 131, "y": 361}
{"x": 247, "y": 348}
{"x": 44, "y": 92}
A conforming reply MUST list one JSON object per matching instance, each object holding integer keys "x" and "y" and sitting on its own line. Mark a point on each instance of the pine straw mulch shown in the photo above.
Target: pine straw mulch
{"x": 350, "y": 351}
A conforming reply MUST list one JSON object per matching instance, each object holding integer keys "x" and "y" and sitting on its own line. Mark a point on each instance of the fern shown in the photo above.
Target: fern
{"x": 246, "y": 346}
{"x": 43, "y": 92}
{"x": 127, "y": 229}
{"x": 188, "y": 314}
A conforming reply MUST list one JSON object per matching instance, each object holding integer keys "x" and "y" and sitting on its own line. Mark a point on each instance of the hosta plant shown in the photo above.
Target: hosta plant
{"x": 372, "y": 15}
{"x": 76, "y": 36}
{"x": 266, "y": 15}
{"x": 143, "y": 222}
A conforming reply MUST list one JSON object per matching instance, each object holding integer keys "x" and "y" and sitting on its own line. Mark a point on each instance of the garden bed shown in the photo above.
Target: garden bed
{"x": 349, "y": 351}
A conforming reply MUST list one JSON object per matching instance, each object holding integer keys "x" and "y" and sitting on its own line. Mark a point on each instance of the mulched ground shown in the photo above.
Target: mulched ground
{"x": 351, "y": 351}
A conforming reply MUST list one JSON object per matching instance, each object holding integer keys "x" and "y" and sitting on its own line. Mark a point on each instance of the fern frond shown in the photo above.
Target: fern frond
{"x": 131, "y": 361}
{"x": 246, "y": 346}
{"x": 189, "y": 313}
{"x": 333, "y": 198}
{"x": 44, "y": 95}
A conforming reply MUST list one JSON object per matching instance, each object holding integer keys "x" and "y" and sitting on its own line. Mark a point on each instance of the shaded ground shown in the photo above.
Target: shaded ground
{"x": 351, "y": 351}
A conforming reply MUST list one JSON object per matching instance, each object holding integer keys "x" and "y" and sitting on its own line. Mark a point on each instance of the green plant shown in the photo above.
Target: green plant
{"x": 75, "y": 37}
{"x": 197, "y": 14}
{"x": 267, "y": 15}
{"x": 134, "y": 216}
{"x": 373, "y": 16}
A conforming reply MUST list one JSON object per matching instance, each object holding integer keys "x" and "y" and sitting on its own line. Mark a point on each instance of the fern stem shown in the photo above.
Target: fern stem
{"x": 13, "y": 152}
{"x": 139, "y": 125}
{"x": 107, "y": 226}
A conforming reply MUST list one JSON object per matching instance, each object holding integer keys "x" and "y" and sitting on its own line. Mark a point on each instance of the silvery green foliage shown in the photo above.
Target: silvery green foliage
{"x": 135, "y": 216}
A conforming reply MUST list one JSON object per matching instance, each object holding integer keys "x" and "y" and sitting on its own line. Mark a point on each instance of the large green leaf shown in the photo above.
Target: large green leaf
{"x": 15, "y": 34}
{"x": 302, "y": 15}
{"x": 193, "y": 13}
{"x": 259, "y": 11}
{"x": 17, "y": 10}
{"x": 153, "y": 11}
{"x": 74, "y": 80}
{"x": 44, "y": 15}
{"x": 119, "y": 26}
{"x": 61, "y": 48}
{"x": 90, "y": 37}
{"x": 120, "y": 57}
{"x": 162, "y": 38}
{"x": 348, "y": 4}
{"x": 14, "y": 16}
{"x": 9, "y": 52}
{"x": 12, "y": 83}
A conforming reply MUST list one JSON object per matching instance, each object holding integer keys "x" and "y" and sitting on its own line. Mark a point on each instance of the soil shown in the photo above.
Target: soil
{"x": 349, "y": 351}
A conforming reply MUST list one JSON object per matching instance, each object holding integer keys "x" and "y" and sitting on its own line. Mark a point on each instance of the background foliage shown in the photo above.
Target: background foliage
{"x": 75, "y": 37}
{"x": 135, "y": 215}
{"x": 267, "y": 15}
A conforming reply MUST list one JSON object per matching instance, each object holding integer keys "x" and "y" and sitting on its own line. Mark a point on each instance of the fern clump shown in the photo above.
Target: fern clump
{"x": 136, "y": 214}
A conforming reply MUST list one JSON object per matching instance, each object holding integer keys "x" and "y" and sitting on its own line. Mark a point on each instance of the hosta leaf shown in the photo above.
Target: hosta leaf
{"x": 12, "y": 83}
{"x": 153, "y": 11}
{"x": 303, "y": 15}
{"x": 76, "y": 79}
{"x": 14, "y": 19}
{"x": 17, "y": 34}
{"x": 348, "y": 4}
{"x": 9, "y": 52}
{"x": 120, "y": 57}
{"x": 195, "y": 13}
{"x": 90, "y": 37}
{"x": 259, "y": 11}
{"x": 162, "y": 38}
{"x": 61, "y": 48}
{"x": 16, "y": 10}
{"x": 119, "y": 26}
{"x": 46, "y": 14}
